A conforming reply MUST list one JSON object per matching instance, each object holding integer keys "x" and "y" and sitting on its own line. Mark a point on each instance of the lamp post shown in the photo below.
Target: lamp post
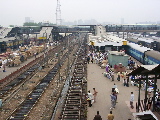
{"x": 59, "y": 68}
{"x": 154, "y": 92}
{"x": 45, "y": 52}
{"x": 145, "y": 100}
{"x": 68, "y": 53}
{"x": 46, "y": 47}
{"x": 139, "y": 96}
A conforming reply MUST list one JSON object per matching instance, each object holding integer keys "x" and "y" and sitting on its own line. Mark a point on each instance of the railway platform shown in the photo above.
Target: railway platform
{"x": 10, "y": 70}
{"x": 103, "y": 85}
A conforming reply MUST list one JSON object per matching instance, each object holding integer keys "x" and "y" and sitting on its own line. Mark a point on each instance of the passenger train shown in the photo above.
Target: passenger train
{"x": 143, "y": 54}
{"x": 150, "y": 43}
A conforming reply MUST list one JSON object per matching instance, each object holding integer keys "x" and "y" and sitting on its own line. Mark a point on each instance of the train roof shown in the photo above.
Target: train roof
{"x": 7, "y": 39}
{"x": 146, "y": 40}
{"x": 114, "y": 38}
{"x": 138, "y": 47}
{"x": 153, "y": 54}
{"x": 133, "y": 40}
{"x": 107, "y": 43}
{"x": 156, "y": 39}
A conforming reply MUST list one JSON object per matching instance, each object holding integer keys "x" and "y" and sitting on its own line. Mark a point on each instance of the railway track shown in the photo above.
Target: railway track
{"x": 73, "y": 103}
{"x": 25, "y": 107}
{"x": 28, "y": 102}
{"x": 14, "y": 85}
{"x": 15, "y": 92}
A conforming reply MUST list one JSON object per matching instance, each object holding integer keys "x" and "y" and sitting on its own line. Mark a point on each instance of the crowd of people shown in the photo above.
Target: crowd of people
{"x": 3, "y": 64}
{"x": 101, "y": 60}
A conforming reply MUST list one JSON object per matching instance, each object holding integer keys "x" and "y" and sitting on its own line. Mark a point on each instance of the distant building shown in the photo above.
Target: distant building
{"x": 80, "y": 22}
{"x": 122, "y": 20}
{"x": 27, "y": 19}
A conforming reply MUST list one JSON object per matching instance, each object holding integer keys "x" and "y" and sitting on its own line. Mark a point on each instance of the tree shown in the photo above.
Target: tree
{"x": 35, "y": 24}
{"x": 11, "y": 25}
{"x": 30, "y": 24}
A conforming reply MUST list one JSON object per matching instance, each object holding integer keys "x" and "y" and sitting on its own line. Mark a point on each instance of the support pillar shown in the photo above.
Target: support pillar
{"x": 154, "y": 92}
{"x": 145, "y": 99}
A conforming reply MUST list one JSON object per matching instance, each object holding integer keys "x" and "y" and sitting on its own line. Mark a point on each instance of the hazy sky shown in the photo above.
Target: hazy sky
{"x": 13, "y": 12}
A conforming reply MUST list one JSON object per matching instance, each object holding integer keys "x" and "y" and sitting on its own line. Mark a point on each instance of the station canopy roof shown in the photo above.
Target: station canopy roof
{"x": 107, "y": 43}
{"x": 146, "y": 69}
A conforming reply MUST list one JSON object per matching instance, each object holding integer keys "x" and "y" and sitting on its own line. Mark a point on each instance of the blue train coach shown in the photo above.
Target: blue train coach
{"x": 136, "y": 51}
{"x": 144, "y": 55}
{"x": 151, "y": 57}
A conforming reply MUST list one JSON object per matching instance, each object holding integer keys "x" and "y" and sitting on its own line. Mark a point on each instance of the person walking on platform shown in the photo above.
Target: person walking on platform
{"x": 113, "y": 101}
{"x": 4, "y": 65}
{"x": 107, "y": 68}
{"x": 97, "y": 117}
{"x": 149, "y": 90}
{"x": 114, "y": 87}
{"x": 92, "y": 60}
{"x": 112, "y": 75}
{"x": 125, "y": 82}
{"x": 88, "y": 59}
{"x": 110, "y": 116}
{"x": 90, "y": 98}
{"x": 95, "y": 94}
{"x": 131, "y": 100}
{"x": 118, "y": 76}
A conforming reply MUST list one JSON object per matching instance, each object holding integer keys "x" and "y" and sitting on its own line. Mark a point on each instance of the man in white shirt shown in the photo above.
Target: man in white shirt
{"x": 131, "y": 100}
{"x": 90, "y": 98}
{"x": 149, "y": 90}
{"x": 4, "y": 65}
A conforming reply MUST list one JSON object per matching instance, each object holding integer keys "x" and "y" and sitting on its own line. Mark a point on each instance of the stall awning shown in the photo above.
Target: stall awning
{"x": 146, "y": 69}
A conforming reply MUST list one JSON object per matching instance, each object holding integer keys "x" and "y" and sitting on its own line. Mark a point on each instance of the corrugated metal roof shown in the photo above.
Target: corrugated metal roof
{"x": 114, "y": 38}
{"x": 149, "y": 67}
{"x": 7, "y": 39}
{"x": 146, "y": 40}
{"x": 117, "y": 53}
{"x": 146, "y": 69}
{"x": 107, "y": 43}
{"x": 133, "y": 40}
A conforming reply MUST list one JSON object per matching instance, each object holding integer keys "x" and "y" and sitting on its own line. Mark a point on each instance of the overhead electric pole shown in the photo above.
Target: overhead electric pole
{"x": 58, "y": 13}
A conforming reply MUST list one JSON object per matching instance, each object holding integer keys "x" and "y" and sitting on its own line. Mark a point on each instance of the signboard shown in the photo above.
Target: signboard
{"x": 42, "y": 37}
{"x": 92, "y": 43}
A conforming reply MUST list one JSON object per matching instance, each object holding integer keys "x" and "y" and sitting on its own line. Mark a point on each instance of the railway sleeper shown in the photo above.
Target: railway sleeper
{"x": 75, "y": 93}
{"x": 70, "y": 109}
{"x": 18, "y": 117}
{"x": 38, "y": 91}
{"x": 71, "y": 117}
{"x": 74, "y": 114}
{"x": 73, "y": 99}
{"x": 70, "y": 112}
{"x": 72, "y": 103}
{"x": 76, "y": 105}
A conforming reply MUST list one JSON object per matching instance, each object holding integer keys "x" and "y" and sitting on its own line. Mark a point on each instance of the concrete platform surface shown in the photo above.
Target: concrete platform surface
{"x": 103, "y": 85}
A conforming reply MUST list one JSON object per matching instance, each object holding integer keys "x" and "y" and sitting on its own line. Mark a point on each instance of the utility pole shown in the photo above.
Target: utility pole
{"x": 59, "y": 68}
{"x": 46, "y": 41}
{"x": 68, "y": 54}
{"x": 58, "y": 13}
